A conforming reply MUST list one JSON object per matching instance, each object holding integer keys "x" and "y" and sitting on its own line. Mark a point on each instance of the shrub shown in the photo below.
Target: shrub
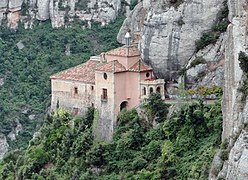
{"x": 206, "y": 39}
{"x": 244, "y": 89}
{"x": 133, "y": 3}
{"x": 219, "y": 27}
{"x": 243, "y": 61}
{"x": 198, "y": 60}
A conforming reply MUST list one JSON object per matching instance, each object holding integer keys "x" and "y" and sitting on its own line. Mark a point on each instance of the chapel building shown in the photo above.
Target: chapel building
{"x": 110, "y": 82}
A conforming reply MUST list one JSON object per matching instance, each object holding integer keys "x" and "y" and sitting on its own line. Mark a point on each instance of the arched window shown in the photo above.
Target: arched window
{"x": 147, "y": 74}
{"x": 123, "y": 105}
{"x": 158, "y": 90}
{"x": 151, "y": 90}
{"x": 105, "y": 76}
{"x": 144, "y": 91}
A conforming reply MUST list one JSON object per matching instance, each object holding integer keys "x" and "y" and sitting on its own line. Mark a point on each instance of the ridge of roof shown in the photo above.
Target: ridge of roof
{"x": 112, "y": 66}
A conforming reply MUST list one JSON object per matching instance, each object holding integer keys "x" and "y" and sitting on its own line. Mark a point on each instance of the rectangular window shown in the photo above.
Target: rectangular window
{"x": 104, "y": 94}
{"x": 75, "y": 111}
{"x": 75, "y": 90}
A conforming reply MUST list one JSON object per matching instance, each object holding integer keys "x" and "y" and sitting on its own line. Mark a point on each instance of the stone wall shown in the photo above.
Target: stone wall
{"x": 106, "y": 120}
{"x": 63, "y": 95}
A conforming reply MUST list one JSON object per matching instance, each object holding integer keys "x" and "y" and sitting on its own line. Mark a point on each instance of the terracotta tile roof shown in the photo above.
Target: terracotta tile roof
{"x": 140, "y": 66}
{"x": 83, "y": 72}
{"x": 112, "y": 66}
{"x": 122, "y": 51}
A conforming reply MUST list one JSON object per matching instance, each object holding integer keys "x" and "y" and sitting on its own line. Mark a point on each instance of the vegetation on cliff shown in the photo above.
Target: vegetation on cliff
{"x": 218, "y": 27}
{"x": 243, "y": 64}
{"x": 180, "y": 147}
{"x": 25, "y": 70}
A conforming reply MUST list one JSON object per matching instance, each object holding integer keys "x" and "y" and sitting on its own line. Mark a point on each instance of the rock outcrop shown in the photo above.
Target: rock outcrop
{"x": 3, "y": 146}
{"x": 169, "y": 30}
{"x": 235, "y": 110}
{"x": 236, "y": 42}
{"x": 60, "y": 12}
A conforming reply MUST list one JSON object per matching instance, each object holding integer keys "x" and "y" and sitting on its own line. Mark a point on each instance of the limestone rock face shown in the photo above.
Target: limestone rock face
{"x": 13, "y": 8}
{"x": 238, "y": 158}
{"x": 43, "y": 10}
{"x": 3, "y": 146}
{"x": 169, "y": 31}
{"x": 60, "y": 12}
{"x": 15, "y": 130}
{"x": 236, "y": 42}
{"x": 15, "y": 5}
{"x": 212, "y": 59}
{"x": 235, "y": 111}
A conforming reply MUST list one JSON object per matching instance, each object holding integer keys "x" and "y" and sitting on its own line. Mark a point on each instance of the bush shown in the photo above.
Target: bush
{"x": 206, "y": 39}
{"x": 133, "y": 3}
{"x": 197, "y": 61}
{"x": 243, "y": 61}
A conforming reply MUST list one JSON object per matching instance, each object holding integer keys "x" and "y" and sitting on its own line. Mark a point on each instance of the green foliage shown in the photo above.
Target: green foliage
{"x": 202, "y": 91}
{"x": 155, "y": 108}
{"x": 206, "y": 39}
{"x": 181, "y": 147}
{"x": 26, "y": 89}
{"x": 193, "y": 135}
{"x": 197, "y": 61}
{"x": 133, "y": 3}
{"x": 244, "y": 89}
{"x": 243, "y": 61}
{"x": 243, "y": 64}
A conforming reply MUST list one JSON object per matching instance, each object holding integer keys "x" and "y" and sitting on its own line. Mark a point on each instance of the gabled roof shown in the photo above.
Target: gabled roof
{"x": 112, "y": 66}
{"x": 140, "y": 66}
{"x": 84, "y": 72}
{"x": 124, "y": 51}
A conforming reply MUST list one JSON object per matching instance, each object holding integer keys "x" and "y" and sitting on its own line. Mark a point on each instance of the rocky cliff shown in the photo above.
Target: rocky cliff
{"x": 60, "y": 12}
{"x": 3, "y": 146}
{"x": 235, "y": 110}
{"x": 169, "y": 30}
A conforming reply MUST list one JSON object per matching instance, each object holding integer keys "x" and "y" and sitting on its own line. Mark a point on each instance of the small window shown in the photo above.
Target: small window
{"x": 158, "y": 90}
{"x": 151, "y": 90}
{"x": 148, "y": 75}
{"x": 75, "y": 111}
{"x": 105, "y": 76}
{"x": 144, "y": 91}
{"x": 92, "y": 88}
{"x": 75, "y": 90}
{"x": 104, "y": 94}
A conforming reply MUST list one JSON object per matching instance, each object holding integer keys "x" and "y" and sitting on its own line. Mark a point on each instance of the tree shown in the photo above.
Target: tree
{"x": 155, "y": 108}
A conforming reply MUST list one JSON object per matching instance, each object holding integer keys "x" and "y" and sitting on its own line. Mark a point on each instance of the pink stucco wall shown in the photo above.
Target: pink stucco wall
{"x": 126, "y": 89}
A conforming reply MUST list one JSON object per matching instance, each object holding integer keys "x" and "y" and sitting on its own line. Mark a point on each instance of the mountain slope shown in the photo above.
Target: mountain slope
{"x": 181, "y": 147}
{"x": 28, "y": 58}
